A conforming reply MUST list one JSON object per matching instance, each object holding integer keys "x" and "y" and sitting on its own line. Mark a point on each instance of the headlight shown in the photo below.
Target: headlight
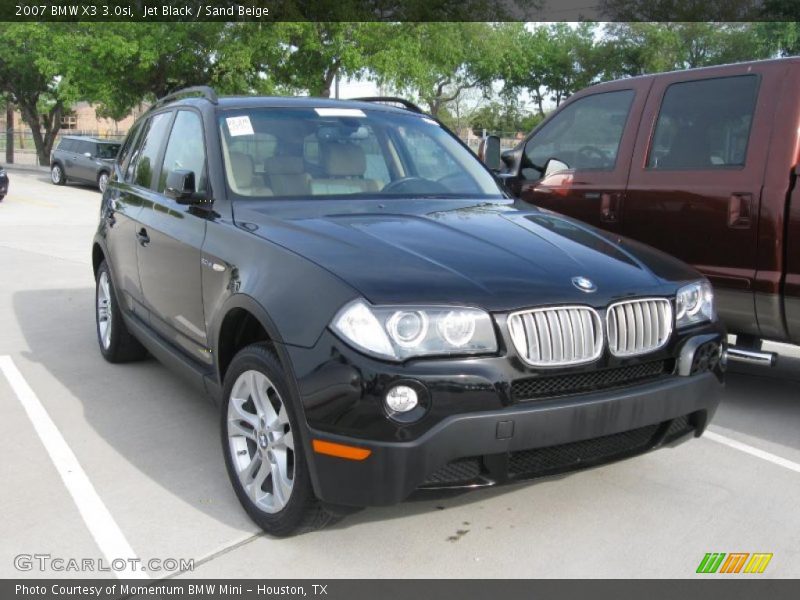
{"x": 694, "y": 303}
{"x": 402, "y": 332}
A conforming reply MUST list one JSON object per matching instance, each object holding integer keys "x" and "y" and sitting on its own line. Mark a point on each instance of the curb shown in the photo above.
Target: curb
{"x": 29, "y": 168}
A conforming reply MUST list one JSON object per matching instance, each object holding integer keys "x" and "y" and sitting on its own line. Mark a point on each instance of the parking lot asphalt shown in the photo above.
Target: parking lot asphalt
{"x": 149, "y": 448}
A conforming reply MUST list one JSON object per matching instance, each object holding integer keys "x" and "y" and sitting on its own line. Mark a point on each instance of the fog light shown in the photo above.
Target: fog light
{"x": 401, "y": 399}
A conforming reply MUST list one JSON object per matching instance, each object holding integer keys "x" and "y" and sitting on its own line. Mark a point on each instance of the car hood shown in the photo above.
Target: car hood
{"x": 497, "y": 255}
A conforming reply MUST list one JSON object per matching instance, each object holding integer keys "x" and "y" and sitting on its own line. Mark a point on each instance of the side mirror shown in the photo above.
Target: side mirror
{"x": 180, "y": 186}
{"x": 509, "y": 157}
{"x": 489, "y": 152}
{"x": 554, "y": 165}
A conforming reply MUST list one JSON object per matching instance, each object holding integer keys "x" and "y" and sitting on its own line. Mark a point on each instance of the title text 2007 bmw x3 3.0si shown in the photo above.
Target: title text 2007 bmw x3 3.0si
{"x": 374, "y": 315}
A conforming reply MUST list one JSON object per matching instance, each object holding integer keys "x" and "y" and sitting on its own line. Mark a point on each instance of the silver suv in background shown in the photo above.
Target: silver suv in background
{"x": 85, "y": 159}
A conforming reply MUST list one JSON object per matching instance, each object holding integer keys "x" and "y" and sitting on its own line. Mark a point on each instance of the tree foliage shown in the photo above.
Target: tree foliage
{"x": 502, "y": 118}
{"x": 34, "y": 79}
{"x": 435, "y": 62}
{"x": 311, "y": 55}
{"x": 638, "y": 48}
{"x": 550, "y": 62}
{"x": 44, "y": 68}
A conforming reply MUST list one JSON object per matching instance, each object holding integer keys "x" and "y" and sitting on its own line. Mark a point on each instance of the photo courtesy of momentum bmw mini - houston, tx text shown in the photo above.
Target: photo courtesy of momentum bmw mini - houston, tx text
{"x": 375, "y": 315}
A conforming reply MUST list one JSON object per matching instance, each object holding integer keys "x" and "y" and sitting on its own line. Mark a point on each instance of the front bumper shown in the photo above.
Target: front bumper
{"x": 475, "y": 432}
{"x": 500, "y": 441}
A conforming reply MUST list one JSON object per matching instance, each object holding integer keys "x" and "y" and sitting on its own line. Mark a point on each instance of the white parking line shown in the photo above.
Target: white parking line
{"x": 768, "y": 456}
{"x": 101, "y": 524}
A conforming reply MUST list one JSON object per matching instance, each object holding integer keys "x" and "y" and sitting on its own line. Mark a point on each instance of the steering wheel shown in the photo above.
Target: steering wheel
{"x": 592, "y": 154}
{"x": 414, "y": 185}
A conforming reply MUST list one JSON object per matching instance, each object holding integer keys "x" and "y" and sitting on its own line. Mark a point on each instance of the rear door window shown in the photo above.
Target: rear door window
{"x": 67, "y": 145}
{"x": 704, "y": 124}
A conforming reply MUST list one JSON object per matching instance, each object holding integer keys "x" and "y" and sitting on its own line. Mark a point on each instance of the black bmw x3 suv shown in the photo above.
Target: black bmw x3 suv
{"x": 375, "y": 315}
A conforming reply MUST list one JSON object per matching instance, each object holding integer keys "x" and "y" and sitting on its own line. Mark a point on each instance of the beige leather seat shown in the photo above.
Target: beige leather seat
{"x": 344, "y": 165}
{"x": 245, "y": 181}
{"x": 286, "y": 176}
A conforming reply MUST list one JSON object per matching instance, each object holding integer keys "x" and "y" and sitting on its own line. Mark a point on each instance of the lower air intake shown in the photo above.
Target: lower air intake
{"x": 565, "y": 457}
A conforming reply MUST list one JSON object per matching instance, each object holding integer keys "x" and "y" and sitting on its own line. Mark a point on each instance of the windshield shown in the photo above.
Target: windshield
{"x": 107, "y": 150}
{"x": 336, "y": 152}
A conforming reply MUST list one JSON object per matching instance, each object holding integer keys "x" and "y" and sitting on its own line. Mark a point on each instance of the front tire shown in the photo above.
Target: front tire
{"x": 116, "y": 343}
{"x": 263, "y": 450}
{"x": 57, "y": 175}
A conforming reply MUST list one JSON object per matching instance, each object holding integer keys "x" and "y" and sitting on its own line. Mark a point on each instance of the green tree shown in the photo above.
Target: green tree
{"x": 550, "y": 62}
{"x": 502, "y": 118}
{"x": 570, "y": 62}
{"x": 638, "y": 48}
{"x": 309, "y": 56}
{"x": 32, "y": 78}
{"x": 120, "y": 64}
{"x": 781, "y": 38}
{"x": 435, "y": 62}
{"x": 524, "y": 62}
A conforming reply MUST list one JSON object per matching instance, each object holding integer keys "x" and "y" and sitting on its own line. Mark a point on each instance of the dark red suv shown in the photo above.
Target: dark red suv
{"x": 700, "y": 163}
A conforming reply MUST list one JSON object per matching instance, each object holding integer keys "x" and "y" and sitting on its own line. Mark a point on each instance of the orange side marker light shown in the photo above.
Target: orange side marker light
{"x": 340, "y": 450}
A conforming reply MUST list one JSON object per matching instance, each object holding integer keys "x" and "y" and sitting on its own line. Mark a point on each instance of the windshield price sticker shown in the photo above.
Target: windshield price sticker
{"x": 239, "y": 126}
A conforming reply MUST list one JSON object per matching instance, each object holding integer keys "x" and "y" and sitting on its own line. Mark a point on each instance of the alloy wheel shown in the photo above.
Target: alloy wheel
{"x": 261, "y": 441}
{"x": 104, "y": 309}
{"x": 55, "y": 174}
{"x": 102, "y": 182}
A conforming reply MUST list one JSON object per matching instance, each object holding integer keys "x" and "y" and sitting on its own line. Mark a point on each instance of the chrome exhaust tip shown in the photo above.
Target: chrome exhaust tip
{"x": 753, "y": 357}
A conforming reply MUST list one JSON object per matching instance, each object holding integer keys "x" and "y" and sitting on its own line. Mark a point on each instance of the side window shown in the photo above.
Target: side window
{"x": 67, "y": 145}
{"x": 125, "y": 152}
{"x": 143, "y": 161}
{"x": 82, "y": 146}
{"x": 584, "y": 135}
{"x": 704, "y": 124}
{"x": 185, "y": 150}
{"x": 106, "y": 150}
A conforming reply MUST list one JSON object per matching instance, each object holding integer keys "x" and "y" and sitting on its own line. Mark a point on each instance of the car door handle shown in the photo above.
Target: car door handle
{"x": 609, "y": 207}
{"x": 142, "y": 236}
{"x": 740, "y": 211}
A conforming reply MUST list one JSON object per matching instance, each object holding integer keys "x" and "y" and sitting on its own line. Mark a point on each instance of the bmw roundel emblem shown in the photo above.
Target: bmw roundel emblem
{"x": 584, "y": 284}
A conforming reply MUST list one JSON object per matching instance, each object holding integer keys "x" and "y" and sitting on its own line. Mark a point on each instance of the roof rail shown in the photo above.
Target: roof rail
{"x": 391, "y": 100}
{"x": 206, "y": 91}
